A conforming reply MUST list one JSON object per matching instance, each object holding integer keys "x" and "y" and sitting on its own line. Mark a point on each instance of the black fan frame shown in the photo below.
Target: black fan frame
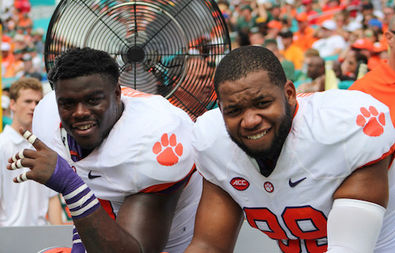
{"x": 190, "y": 91}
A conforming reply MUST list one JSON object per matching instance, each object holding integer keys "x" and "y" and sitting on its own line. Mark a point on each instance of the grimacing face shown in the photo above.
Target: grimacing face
{"x": 257, "y": 113}
{"x": 88, "y": 108}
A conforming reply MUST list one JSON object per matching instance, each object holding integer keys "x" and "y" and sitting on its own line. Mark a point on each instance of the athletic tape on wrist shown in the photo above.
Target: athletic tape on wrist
{"x": 79, "y": 198}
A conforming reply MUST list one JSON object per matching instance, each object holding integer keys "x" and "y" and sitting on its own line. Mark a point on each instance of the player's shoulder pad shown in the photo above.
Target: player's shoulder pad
{"x": 334, "y": 115}
{"x": 352, "y": 121}
{"x": 153, "y": 137}
{"x": 212, "y": 145}
{"x": 208, "y": 129}
{"x": 46, "y": 119}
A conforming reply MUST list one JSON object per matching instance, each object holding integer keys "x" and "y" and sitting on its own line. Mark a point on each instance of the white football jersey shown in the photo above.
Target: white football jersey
{"x": 333, "y": 133}
{"x": 147, "y": 150}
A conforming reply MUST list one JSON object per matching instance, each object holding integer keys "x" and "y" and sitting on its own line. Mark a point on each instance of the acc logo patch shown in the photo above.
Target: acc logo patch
{"x": 239, "y": 183}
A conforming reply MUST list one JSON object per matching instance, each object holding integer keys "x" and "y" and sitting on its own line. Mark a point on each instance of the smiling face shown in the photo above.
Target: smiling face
{"x": 257, "y": 113}
{"x": 88, "y": 106}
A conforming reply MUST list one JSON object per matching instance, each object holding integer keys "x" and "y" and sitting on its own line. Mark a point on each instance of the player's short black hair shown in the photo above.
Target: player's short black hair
{"x": 78, "y": 62}
{"x": 244, "y": 60}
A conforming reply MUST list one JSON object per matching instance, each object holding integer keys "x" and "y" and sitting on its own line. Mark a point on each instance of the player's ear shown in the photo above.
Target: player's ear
{"x": 118, "y": 91}
{"x": 290, "y": 92}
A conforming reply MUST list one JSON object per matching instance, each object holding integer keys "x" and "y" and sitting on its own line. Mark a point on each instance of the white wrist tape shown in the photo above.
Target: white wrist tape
{"x": 354, "y": 226}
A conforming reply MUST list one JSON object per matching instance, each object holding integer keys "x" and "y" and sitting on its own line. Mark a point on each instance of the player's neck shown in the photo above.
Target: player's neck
{"x": 266, "y": 166}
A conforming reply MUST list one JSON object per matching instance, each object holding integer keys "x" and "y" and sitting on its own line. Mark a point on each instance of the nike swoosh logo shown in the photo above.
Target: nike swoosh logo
{"x": 293, "y": 184}
{"x": 90, "y": 176}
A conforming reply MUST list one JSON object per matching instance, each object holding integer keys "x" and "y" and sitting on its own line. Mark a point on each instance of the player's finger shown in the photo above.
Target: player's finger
{"x": 21, "y": 163}
{"x": 31, "y": 138}
{"x": 17, "y": 164}
{"x": 21, "y": 178}
{"x": 26, "y": 153}
{"x": 17, "y": 156}
{"x": 37, "y": 144}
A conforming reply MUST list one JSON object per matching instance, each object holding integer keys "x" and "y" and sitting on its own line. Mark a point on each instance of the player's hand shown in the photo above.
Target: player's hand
{"x": 41, "y": 162}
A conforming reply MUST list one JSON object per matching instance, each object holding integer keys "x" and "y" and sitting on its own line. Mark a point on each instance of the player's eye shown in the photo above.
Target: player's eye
{"x": 232, "y": 112}
{"x": 94, "y": 100}
{"x": 66, "y": 104}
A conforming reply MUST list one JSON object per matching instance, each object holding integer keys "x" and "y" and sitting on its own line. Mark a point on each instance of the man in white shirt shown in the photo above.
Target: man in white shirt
{"x": 27, "y": 204}
{"x": 330, "y": 44}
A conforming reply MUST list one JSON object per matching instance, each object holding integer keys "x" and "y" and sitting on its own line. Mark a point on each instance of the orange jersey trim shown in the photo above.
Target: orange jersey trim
{"x": 129, "y": 92}
{"x": 390, "y": 152}
{"x": 162, "y": 187}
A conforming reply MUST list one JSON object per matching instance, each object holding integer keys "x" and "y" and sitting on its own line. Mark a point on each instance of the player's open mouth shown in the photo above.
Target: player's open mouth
{"x": 83, "y": 129}
{"x": 258, "y": 136}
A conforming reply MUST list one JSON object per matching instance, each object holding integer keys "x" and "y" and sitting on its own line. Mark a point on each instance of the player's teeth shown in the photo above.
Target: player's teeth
{"x": 84, "y": 127}
{"x": 255, "y": 137}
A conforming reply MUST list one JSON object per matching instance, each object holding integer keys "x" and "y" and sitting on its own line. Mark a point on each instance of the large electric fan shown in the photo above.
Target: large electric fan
{"x": 166, "y": 47}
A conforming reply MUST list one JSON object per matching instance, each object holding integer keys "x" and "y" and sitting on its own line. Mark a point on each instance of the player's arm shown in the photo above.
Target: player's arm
{"x": 218, "y": 221}
{"x": 98, "y": 231}
{"x": 355, "y": 221}
{"x": 143, "y": 221}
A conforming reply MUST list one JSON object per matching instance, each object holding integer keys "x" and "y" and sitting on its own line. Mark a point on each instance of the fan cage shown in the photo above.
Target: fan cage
{"x": 170, "y": 48}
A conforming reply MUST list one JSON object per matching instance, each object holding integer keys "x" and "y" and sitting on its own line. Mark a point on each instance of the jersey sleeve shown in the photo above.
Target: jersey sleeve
{"x": 354, "y": 126}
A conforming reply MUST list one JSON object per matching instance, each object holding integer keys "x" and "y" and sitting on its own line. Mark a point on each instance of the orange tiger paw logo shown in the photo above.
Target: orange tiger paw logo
{"x": 372, "y": 121}
{"x": 168, "y": 150}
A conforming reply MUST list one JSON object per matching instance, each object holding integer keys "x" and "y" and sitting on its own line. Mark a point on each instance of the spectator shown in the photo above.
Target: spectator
{"x": 28, "y": 68}
{"x": 273, "y": 29}
{"x": 379, "y": 54}
{"x": 257, "y": 38}
{"x": 8, "y": 59}
{"x": 291, "y": 52}
{"x": 350, "y": 65}
{"x": 330, "y": 43}
{"x": 304, "y": 37}
{"x": 379, "y": 82}
{"x": 316, "y": 72}
{"x": 388, "y": 12}
{"x": 288, "y": 66}
{"x": 5, "y": 106}
{"x": 363, "y": 46}
{"x": 37, "y": 39}
{"x": 302, "y": 76}
{"x": 246, "y": 20}
{"x": 25, "y": 205}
